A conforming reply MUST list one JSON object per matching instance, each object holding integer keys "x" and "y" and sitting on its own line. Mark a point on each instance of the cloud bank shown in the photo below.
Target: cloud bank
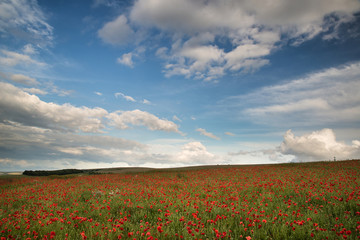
{"x": 321, "y": 98}
{"x": 19, "y": 106}
{"x": 34, "y": 133}
{"x": 318, "y": 146}
{"x": 22, "y": 107}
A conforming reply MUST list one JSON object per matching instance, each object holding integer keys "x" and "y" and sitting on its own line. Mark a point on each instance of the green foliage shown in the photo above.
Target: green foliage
{"x": 54, "y": 172}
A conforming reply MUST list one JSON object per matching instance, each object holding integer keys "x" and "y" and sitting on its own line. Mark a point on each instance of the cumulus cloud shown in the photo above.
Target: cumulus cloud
{"x": 196, "y": 152}
{"x": 193, "y": 16}
{"x": 116, "y": 32}
{"x": 329, "y": 96}
{"x": 122, "y": 119}
{"x": 195, "y": 61}
{"x": 45, "y": 148}
{"x": 127, "y": 98}
{"x": 126, "y": 59}
{"x": 318, "y": 146}
{"x": 51, "y": 149}
{"x": 19, "y": 106}
{"x": 25, "y": 19}
{"x": 254, "y": 30}
{"x": 48, "y": 149}
{"x": 207, "y": 134}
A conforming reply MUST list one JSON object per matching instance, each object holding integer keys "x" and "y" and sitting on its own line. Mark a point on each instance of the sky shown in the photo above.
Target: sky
{"x": 172, "y": 83}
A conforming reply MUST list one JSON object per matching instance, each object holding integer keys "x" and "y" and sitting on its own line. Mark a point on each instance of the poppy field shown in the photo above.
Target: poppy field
{"x": 289, "y": 201}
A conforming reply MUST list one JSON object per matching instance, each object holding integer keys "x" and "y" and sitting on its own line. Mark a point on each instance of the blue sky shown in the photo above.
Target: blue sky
{"x": 159, "y": 83}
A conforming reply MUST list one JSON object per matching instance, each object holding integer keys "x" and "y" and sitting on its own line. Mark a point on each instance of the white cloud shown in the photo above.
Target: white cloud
{"x": 200, "y": 64}
{"x": 207, "y": 134}
{"x": 121, "y": 119}
{"x": 10, "y": 58}
{"x": 126, "y": 59}
{"x": 298, "y": 12}
{"x": 45, "y": 148}
{"x": 116, "y": 32}
{"x": 260, "y": 156}
{"x": 127, "y": 98}
{"x": 254, "y": 28}
{"x": 25, "y": 19}
{"x": 190, "y": 16}
{"x": 246, "y": 51}
{"x": 35, "y": 91}
{"x": 324, "y": 97}
{"x": 71, "y": 150}
{"x": 50, "y": 87}
{"x": 175, "y": 118}
{"x": 98, "y": 93}
{"x": 318, "y": 146}
{"x": 19, "y": 78}
{"x": 230, "y": 134}
{"x": 50, "y": 135}
{"x": 202, "y": 54}
{"x": 247, "y": 56}
{"x": 298, "y": 106}
{"x": 17, "y": 105}
{"x": 15, "y": 164}
{"x": 29, "y": 49}
{"x": 196, "y": 152}
{"x": 145, "y": 101}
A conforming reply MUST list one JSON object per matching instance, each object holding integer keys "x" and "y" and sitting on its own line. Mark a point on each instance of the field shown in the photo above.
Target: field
{"x": 289, "y": 201}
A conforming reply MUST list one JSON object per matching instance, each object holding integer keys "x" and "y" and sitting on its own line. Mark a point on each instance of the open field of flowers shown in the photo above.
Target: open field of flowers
{"x": 292, "y": 201}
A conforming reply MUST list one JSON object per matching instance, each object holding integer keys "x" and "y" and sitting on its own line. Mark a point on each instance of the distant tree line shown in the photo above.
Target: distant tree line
{"x": 54, "y": 172}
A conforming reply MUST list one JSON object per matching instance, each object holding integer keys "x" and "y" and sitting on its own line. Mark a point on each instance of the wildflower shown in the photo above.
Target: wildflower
{"x": 83, "y": 235}
{"x": 159, "y": 229}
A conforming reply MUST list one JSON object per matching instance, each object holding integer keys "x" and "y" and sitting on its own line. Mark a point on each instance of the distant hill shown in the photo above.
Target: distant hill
{"x": 146, "y": 169}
